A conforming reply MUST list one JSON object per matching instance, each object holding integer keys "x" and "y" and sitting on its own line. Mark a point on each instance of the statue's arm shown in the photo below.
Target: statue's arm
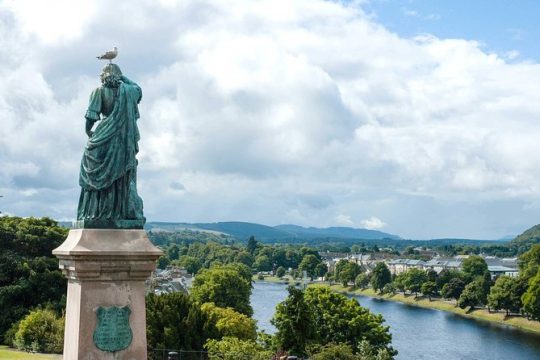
{"x": 94, "y": 109}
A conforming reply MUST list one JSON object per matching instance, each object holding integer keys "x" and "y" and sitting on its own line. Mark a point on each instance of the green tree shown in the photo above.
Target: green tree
{"x": 262, "y": 263}
{"x": 474, "y": 266}
{"x": 294, "y": 322}
{"x": 190, "y": 263}
{"x": 429, "y": 288}
{"x": 162, "y": 262}
{"x": 339, "y": 319}
{"x": 446, "y": 275}
{"x": 529, "y": 262}
{"x": 473, "y": 295}
{"x": 280, "y": 272}
{"x": 414, "y": 279}
{"x": 309, "y": 264}
{"x": 231, "y": 348}
{"x": 506, "y": 294}
{"x": 321, "y": 269}
{"x": 252, "y": 245}
{"x": 175, "y": 321}
{"x": 362, "y": 280}
{"x": 380, "y": 276}
{"x": 349, "y": 273}
{"x": 41, "y": 331}
{"x": 231, "y": 323}
{"x": 224, "y": 286}
{"x": 399, "y": 282}
{"x": 453, "y": 289}
{"x": 531, "y": 298}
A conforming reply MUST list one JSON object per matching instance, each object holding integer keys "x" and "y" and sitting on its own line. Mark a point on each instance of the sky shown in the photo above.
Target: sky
{"x": 417, "y": 118}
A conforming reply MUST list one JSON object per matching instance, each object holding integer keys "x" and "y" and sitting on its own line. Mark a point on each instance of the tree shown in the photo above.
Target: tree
{"x": 294, "y": 322}
{"x": 29, "y": 274}
{"x": 252, "y": 245}
{"x": 506, "y": 294}
{"x": 474, "y": 266}
{"x": 446, "y": 275}
{"x": 473, "y": 295}
{"x": 531, "y": 298}
{"x": 262, "y": 263}
{"x": 321, "y": 269}
{"x": 349, "y": 272}
{"x": 280, "y": 272}
{"x": 414, "y": 279}
{"x": 190, "y": 263}
{"x": 231, "y": 348}
{"x": 175, "y": 321}
{"x": 529, "y": 262}
{"x": 339, "y": 319}
{"x": 309, "y": 264}
{"x": 429, "y": 288}
{"x": 224, "y": 286}
{"x": 231, "y": 323}
{"x": 399, "y": 282}
{"x": 380, "y": 276}
{"x": 453, "y": 289}
{"x": 362, "y": 280}
{"x": 41, "y": 331}
{"x": 162, "y": 262}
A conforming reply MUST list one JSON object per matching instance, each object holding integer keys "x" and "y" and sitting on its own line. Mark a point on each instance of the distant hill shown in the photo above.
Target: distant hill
{"x": 280, "y": 233}
{"x": 527, "y": 239}
{"x": 336, "y": 232}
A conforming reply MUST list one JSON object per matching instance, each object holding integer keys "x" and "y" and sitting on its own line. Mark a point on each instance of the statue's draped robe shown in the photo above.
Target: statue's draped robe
{"x": 108, "y": 167}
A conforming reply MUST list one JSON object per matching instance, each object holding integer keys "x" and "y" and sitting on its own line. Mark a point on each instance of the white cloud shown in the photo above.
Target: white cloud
{"x": 344, "y": 220}
{"x": 275, "y": 112}
{"x": 373, "y": 223}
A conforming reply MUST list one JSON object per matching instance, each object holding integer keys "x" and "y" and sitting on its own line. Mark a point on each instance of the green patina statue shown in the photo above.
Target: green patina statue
{"x": 108, "y": 176}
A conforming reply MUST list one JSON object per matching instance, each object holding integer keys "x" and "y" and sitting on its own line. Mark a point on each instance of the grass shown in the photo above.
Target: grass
{"x": 11, "y": 354}
{"x": 275, "y": 279}
{"x": 479, "y": 314}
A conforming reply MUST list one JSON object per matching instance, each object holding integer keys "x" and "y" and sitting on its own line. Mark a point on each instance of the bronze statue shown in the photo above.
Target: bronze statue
{"x": 108, "y": 176}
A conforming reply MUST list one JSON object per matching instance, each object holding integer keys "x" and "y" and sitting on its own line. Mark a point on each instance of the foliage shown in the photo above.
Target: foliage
{"x": 429, "y": 288}
{"x": 231, "y": 348}
{"x": 446, "y": 275}
{"x": 190, "y": 263}
{"x": 252, "y": 245}
{"x": 262, "y": 263}
{"x": 529, "y": 262}
{"x": 474, "y": 266}
{"x": 320, "y": 316}
{"x": 526, "y": 240}
{"x": 224, "y": 286}
{"x": 309, "y": 264}
{"x": 294, "y": 322}
{"x": 332, "y": 351}
{"x": 29, "y": 274}
{"x": 380, "y": 276}
{"x": 41, "y": 331}
{"x": 506, "y": 294}
{"x": 349, "y": 272}
{"x": 362, "y": 280}
{"x": 473, "y": 295}
{"x": 414, "y": 278}
{"x": 280, "y": 272}
{"x": 531, "y": 298}
{"x": 453, "y": 289}
{"x": 231, "y": 323}
{"x": 175, "y": 321}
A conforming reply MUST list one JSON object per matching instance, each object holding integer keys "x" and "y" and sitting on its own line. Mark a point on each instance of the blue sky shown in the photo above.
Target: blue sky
{"x": 420, "y": 119}
{"x": 500, "y": 26}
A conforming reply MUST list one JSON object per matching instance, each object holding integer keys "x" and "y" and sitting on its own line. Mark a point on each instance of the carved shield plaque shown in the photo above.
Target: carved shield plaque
{"x": 113, "y": 332}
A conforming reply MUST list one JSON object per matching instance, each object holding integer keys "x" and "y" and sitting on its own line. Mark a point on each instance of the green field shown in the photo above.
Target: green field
{"x": 11, "y": 354}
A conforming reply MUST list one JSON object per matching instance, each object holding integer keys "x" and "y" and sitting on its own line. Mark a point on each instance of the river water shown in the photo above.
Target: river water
{"x": 419, "y": 333}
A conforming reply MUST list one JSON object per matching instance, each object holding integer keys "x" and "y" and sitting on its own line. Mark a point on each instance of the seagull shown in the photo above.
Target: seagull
{"x": 109, "y": 55}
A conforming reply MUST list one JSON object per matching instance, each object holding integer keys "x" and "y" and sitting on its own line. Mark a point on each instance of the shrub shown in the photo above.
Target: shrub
{"x": 41, "y": 331}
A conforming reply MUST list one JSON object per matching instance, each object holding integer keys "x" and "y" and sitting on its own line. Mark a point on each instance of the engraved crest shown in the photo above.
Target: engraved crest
{"x": 113, "y": 332}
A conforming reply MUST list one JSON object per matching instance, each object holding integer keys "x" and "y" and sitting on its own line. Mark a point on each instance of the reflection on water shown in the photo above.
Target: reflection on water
{"x": 419, "y": 333}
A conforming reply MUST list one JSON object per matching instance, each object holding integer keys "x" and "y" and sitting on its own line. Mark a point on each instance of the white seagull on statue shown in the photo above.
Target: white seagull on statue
{"x": 109, "y": 55}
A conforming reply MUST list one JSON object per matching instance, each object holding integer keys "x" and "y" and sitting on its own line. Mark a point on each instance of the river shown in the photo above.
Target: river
{"x": 419, "y": 333}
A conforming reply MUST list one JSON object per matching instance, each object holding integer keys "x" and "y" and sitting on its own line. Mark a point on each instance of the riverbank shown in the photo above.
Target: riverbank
{"x": 478, "y": 314}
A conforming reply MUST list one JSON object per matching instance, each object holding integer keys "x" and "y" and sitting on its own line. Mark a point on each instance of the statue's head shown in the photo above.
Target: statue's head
{"x": 111, "y": 75}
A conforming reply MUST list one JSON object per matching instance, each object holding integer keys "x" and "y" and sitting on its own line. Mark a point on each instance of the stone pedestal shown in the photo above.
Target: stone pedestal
{"x": 105, "y": 268}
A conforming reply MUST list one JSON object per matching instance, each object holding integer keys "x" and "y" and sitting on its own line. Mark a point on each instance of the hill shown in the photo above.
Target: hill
{"x": 527, "y": 239}
{"x": 336, "y": 232}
